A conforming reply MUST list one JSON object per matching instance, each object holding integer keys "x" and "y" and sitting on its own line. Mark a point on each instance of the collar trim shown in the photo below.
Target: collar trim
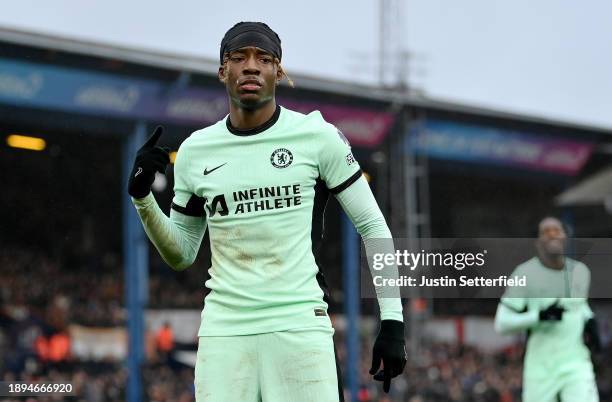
{"x": 255, "y": 130}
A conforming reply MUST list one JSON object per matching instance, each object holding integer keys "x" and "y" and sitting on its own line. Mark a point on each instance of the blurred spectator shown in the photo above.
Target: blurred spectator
{"x": 54, "y": 348}
{"x": 164, "y": 339}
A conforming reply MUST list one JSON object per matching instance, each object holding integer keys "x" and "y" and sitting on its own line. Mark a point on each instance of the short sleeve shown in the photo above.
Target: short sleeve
{"x": 337, "y": 165}
{"x": 515, "y": 297}
{"x": 184, "y": 200}
{"x": 581, "y": 280}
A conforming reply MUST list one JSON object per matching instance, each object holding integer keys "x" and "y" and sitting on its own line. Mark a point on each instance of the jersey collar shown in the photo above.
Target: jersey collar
{"x": 254, "y": 130}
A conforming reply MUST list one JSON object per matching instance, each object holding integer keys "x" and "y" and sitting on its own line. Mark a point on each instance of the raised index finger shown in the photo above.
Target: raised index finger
{"x": 387, "y": 380}
{"x": 154, "y": 137}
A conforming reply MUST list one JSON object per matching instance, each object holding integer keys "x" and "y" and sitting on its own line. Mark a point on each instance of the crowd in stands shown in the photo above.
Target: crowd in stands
{"x": 40, "y": 297}
{"x": 445, "y": 372}
{"x": 86, "y": 294}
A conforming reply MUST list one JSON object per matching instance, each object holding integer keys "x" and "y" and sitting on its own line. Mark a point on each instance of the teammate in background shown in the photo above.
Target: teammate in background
{"x": 259, "y": 180}
{"x": 553, "y": 309}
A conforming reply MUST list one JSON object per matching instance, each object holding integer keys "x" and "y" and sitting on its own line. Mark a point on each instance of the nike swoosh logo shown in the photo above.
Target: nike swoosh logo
{"x": 139, "y": 171}
{"x": 207, "y": 172}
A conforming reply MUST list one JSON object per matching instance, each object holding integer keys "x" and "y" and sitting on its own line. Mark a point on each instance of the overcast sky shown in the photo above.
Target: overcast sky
{"x": 550, "y": 58}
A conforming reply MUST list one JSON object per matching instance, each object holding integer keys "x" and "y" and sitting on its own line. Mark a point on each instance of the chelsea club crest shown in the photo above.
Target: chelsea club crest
{"x": 281, "y": 158}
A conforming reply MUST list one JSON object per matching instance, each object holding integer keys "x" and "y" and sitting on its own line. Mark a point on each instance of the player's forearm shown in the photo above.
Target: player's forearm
{"x": 177, "y": 238}
{"x": 389, "y": 299}
{"x": 508, "y": 321}
{"x": 361, "y": 207}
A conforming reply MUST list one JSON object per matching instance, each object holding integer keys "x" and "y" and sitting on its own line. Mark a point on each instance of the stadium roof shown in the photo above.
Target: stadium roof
{"x": 206, "y": 66}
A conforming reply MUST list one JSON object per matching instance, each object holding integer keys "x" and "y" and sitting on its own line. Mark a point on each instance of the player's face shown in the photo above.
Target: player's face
{"x": 551, "y": 236}
{"x": 250, "y": 77}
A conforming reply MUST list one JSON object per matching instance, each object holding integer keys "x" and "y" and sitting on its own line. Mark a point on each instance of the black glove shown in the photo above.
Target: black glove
{"x": 590, "y": 335}
{"x": 390, "y": 348}
{"x": 149, "y": 159}
{"x": 553, "y": 312}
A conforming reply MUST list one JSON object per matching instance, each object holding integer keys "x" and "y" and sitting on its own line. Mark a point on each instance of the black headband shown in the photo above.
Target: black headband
{"x": 256, "y": 34}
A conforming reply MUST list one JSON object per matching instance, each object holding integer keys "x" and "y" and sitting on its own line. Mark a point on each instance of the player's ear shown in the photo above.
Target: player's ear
{"x": 222, "y": 74}
{"x": 280, "y": 74}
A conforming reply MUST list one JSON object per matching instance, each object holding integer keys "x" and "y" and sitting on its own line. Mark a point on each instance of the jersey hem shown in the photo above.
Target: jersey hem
{"x": 265, "y": 330}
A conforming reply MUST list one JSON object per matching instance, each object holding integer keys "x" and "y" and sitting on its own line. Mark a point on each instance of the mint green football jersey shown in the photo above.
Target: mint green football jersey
{"x": 555, "y": 346}
{"x": 263, "y": 192}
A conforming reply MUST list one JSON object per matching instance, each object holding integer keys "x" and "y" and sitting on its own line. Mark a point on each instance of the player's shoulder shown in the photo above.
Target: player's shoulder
{"x": 204, "y": 134}
{"x": 322, "y": 133}
{"x": 527, "y": 266}
{"x": 578, "y": 266}
{"x": 312, "y": 121}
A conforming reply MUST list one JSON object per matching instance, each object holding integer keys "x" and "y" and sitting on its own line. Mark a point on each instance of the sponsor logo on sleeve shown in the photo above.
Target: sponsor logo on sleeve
{"x": 319, "y": 312}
